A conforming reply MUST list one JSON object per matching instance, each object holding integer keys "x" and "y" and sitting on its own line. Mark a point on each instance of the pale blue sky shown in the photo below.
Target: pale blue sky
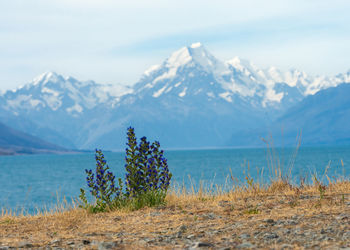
{"x": 113, "y": 41}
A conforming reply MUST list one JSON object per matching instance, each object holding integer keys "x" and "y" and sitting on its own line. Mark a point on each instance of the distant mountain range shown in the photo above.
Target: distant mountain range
{"x": 15, "y": 142}
{"x": 324, "y": 117}
{"x": 191, "y": 100}
{"x": 321, "y": 119}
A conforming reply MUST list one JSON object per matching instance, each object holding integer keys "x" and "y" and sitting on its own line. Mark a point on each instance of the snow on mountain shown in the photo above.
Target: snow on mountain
{"x": 187, "y": 57}
{"x": 57, "y": 108}
{"x": 192, "y": 99}
{"x": 53, "y": 91}
{"x": 236, "y": 78}
{"x": 193, "y": 70}
{"x": 174, "y": 77}
{"x": 45, "y": 78}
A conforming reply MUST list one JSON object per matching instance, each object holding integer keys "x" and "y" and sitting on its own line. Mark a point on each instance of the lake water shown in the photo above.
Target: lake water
{"x": 32, "y": 182}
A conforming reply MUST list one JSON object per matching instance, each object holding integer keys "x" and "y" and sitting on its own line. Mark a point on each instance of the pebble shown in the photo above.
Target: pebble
{"x": 291, "y": 222}
{"x": 210, "y": 216}
{"x": 86, "y": 242}
{"x": 55, "y": 242}
{"x": 342, "y": 217}
{"x": 183, "y": 229}
{"x": 25, "y": 244}
{"x": 117, "y": 218}
{"x": 346, "y": 236}
{"x": 191, "y": 236}
{"x": 269, "y": 221}
{"x": 155, "y": 214}
{"x": 286, "y": 246}
{"x": 270, "y": 236}
{"x": 244, "y": 236}
{"x": 246, "y": 245}
{"x": 106, "y": 245}
{"x": 201, "y": 244}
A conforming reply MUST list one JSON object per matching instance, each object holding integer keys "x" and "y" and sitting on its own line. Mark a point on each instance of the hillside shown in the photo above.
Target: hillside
{"x": 15, "y": 142}
{"x": 321, "y": 119}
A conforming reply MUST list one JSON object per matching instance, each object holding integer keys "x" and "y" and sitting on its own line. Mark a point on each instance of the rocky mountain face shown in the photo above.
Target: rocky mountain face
{"x": 191, "y": 100}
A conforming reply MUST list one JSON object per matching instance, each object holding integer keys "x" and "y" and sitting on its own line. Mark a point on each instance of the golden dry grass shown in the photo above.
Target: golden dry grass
{"x": 205, "y": 216}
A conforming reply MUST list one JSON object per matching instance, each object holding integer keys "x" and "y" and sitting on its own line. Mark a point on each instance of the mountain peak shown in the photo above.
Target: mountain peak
{"x": 196, "y": 45}
{"x": 179, "y": 58}
{"x": 197, "y": 54}
{"x": 239, "y": 63}
{"x": 46, "y": 77}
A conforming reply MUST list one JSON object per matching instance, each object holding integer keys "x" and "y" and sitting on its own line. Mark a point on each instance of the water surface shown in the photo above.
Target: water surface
{"x": 36, "y": 181}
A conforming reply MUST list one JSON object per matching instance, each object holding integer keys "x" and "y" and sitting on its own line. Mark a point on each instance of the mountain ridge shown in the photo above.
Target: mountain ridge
{"x": 16, "y": 142}
{"x": 192, "y": 99}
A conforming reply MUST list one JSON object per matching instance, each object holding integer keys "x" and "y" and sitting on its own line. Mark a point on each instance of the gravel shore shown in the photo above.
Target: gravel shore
{"x": 255, "y": 222}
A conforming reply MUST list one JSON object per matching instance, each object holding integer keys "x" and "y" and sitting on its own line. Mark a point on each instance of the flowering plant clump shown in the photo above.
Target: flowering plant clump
{"x": 102, "y": 184}
{"x": 146, "y": 181}
{"x": 147, "y": 169}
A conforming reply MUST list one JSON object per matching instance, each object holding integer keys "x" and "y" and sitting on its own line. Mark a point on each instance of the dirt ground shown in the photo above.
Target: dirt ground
{"x": 285, "y": 218}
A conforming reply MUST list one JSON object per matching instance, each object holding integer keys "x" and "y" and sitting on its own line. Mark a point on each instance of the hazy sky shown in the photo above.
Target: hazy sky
{"x": 115, "y": 41}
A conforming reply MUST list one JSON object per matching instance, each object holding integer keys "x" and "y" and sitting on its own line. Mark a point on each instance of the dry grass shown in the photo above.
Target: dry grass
{"x": 196, "y": 213}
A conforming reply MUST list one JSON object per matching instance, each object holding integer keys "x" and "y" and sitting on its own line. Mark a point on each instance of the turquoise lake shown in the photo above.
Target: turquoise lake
{"x": 32, "y": 182}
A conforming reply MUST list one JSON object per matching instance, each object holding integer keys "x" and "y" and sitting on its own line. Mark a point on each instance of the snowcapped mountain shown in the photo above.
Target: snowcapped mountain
{"x": 192, "y": 71}
{"x": 234, "y": 79}
{"x": 55, "y": 108}
{"x": 189, "y": 90}
{"x": 192, "y": 99}
{"x": 54, "y": 92}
